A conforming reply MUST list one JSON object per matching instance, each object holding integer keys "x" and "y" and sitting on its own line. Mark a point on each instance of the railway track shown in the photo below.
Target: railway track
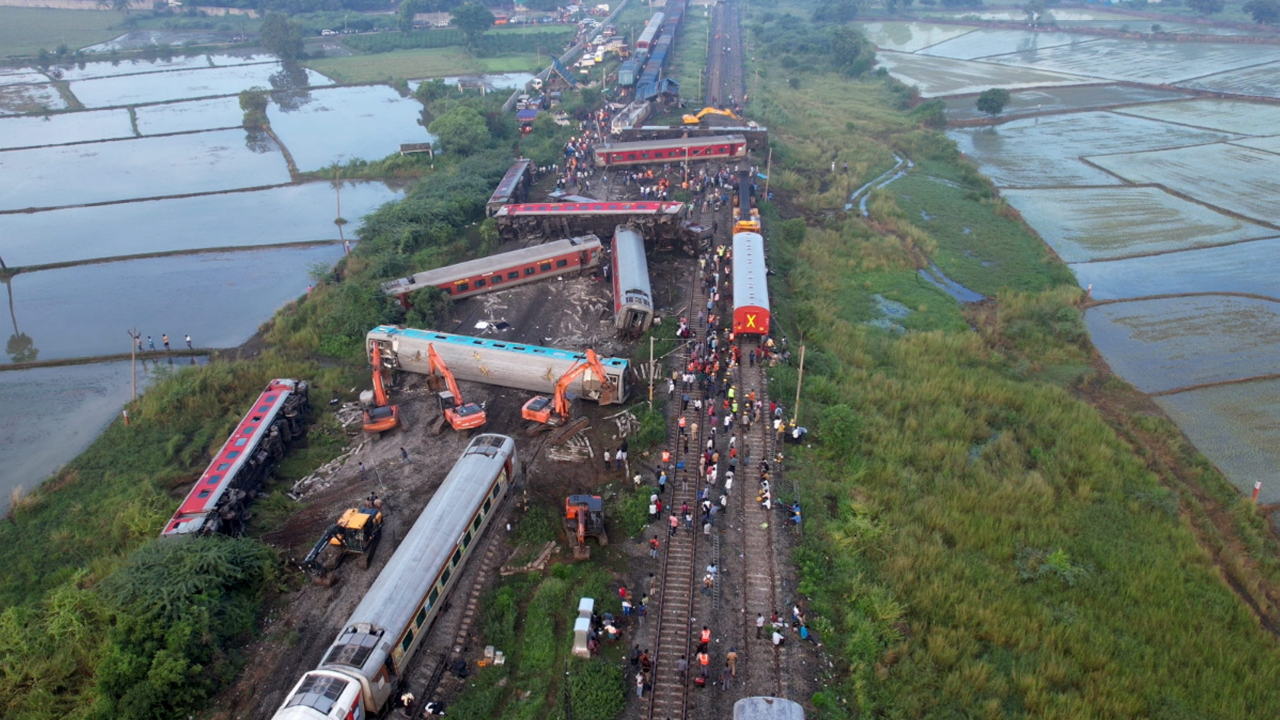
{"x": 762, "y": 591}
{"x": 670, "y": 696}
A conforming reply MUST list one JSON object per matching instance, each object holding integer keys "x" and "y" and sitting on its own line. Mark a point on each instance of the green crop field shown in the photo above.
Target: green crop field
{"x": 25, "y": 31}
{"x": 413, "y": 64}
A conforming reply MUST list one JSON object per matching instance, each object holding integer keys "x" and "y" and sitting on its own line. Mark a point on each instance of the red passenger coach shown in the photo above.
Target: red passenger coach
{"x": 591, "y": 208}
{"x": 721, "y": 147}
{"x": 750, "y": 285}
{"x": 503, "y": 270}
{"x": 219, "y": 501}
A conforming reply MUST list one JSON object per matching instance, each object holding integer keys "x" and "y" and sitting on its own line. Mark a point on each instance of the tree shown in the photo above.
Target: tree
{"x": 404, "y": 19}
{"x": 472, "y": 20}
{"x": 1264, "y": 12}
{"x": 850, "y": 52}
{"x": 428, "y": 307}
{"x": 1207, "y": 7}
{"x": 462, "y": 130}
{"x": 840, "y": 11}
{"x": 992, "y": 101}
{"x": 282, "y": 38}
{"x": 1033, "y": 10}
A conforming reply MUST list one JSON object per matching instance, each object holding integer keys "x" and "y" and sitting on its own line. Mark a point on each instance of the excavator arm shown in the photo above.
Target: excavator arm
{"x": 695, "y": 119}
{"x": 437, "y": 367}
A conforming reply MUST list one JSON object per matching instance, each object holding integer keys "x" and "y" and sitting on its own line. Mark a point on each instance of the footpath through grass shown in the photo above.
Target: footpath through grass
{"x": 978, "y": 541}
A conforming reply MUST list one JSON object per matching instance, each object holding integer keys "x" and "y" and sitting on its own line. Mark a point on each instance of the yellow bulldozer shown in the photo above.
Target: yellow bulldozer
{"x": 357, "y": 532}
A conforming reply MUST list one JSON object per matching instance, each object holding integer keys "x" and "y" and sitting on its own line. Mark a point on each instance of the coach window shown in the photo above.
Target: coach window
{"x": 530, "y": 270}
{"x": 444, "y": 577}
{"x": 644, "y": 156}
{"x": 213, "y": 480}
{"x": 631, "y": 156}
{"x": 475, "y": 524}
{"x": 431, "y": 599}
{"x": 447, "y": 290}
{"x": 496, "y": 488}
{"x": 466, "y": 539}
{"x": 204, "y": 494}
{"x": 408, "y": 640}
{"x": 487, "y": 504}
{"x": 544, "y": 267}
{"x": 562, "y": 263}
{"x": 496, "y": 279}
{"x": 457, "y": 557}
{"x": 481, "y": 283}
{"x": 513, "y": 275}
{"x": 422, "y": 617}
{"x": 463, "y": 287}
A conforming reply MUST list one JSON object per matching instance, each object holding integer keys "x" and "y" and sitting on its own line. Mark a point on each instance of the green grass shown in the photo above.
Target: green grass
{"x": 25, "y": 31}
{"x": 412, "y": 64}
{"x": 690, "y": 57}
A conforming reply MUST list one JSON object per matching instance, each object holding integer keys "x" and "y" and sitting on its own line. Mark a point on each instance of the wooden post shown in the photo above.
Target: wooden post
{"x": 652, "y": 370}
{"x": 795, "y": 412}
{"x": 133, "y": 363}
{"x": 768, "y": 175}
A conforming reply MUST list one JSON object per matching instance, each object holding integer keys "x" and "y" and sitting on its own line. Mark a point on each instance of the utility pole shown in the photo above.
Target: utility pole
{"x": 795, "y": 413}
{"x": 133, "y": 358}
{"x": 652, "y": 370}
{"x": 768, "y": 174}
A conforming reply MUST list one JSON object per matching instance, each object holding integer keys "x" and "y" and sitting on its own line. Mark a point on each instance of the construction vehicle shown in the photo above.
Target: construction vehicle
{"x": 357, "y": 532}
{"x": 584, "y": 518}
{"x": 552, "y": 412}
{"x": 379, "y": 414}
{"x": 697, "y": 119}
{"x": 459, "y": 414}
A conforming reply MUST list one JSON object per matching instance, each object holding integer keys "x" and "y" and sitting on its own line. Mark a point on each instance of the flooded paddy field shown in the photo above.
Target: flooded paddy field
{"x": 986, "y": 43}
{"x": 910, "y": 36}
{"x": 181, "y": 85}
{"x": 1249, "y": 267}
{"x": 1167, "y": 343}
{"x": 31, "y": 131}
{"x": 341, "y": 124}
{"x": 241, "y": 219}
{"x": 147, "y": 167}
{"x": 1269, "y": 144}
{"x": 1146, "y": 62}
{"x": 16, "y": 99}
{"x": 189, "y": 116}
{"x": 73, "y": 404}
{"x": 138, "y": 66}
{"x": 946, "y": 76}
{"x": 1233, "y": 116}
{"x": 1235, "y": 427}
{"x": 1238, "y": 179}
{"x": 1260, "y": 81}
{"x": 219, "y": 299}
{"x": 1046, "y": 151}
{"x": 1052, "y": 100}
{"x": 1100, "y": 223}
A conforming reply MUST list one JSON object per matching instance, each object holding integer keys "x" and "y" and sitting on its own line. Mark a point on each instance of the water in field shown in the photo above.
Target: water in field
{"x": 1027, "y": 102}
{"x": 138, "y": 66}
{"x": 1239, "y": 179}
{"x": 185, "y": 84}
{"x": 137, "y": 168}
{"x": 63, "y": 128}
{"x": 945, "y": 76}
{"x": 495, "y": 81}
{"x": 291, "y": 214}
{"x": 1235, "y": 427}
{"x": 16, "y": 99}
{"x": 1100, "y": 223}
{"x": 1046, "y": 151}
{"x": 1233, "y": 116}
{"x": 336, "y": 125}
{"x": 190, "y": 116}
{"x": 73, "y": 404}
{"x": 910, "y": 36}
{"x": 1146, "y": 62}
{"x": 987, "y": 43}
{"x": 1249, "y": 267}
{"x": 218, "y": 298}
{"x": 1167, "y": 343}
{"x": 1260, "y": 80}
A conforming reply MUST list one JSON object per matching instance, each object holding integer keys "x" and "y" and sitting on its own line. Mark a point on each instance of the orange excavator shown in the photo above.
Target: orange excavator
{"x": 553, "y": 412}
{"x": 379, "y": 414}
{"x": 454, "y": 410}
{"x": 584, "y": 518}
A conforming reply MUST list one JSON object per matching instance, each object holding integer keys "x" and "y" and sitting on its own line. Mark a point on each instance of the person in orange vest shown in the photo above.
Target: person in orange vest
{"x": 682, "y": 424}
{"x": 666, "y": 457}
{"x": 704, "y": 660}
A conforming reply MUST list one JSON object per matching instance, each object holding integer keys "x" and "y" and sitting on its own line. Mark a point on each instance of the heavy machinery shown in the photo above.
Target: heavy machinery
{"x": 357, "y": 532}
{"x": 379, "y": 414}
{"x": 697, "y": 119}
{"x": 552, "y": 412}
{"x": 584, "y": 518}
{"x": 460, "y": 415}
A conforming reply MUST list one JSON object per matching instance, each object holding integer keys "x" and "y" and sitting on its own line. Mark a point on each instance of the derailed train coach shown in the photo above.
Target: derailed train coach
{"x": 632, "y": 294}
{"x": 362, "y": 670}
{"x": 750, "y": 285}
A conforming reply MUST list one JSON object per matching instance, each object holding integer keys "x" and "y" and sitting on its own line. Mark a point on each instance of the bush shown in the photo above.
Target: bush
{"x": 596, "y": 690}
